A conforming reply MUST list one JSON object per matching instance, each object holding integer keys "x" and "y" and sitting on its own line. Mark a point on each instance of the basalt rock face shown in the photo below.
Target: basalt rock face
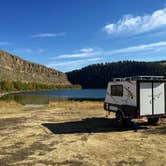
{"x": 17, "y": 69}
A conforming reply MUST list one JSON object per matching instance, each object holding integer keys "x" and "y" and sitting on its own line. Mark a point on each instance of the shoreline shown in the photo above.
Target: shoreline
{"x": 16, "y": 92}
{"x": 3, "y": 93}
{"x": 7, "y": 93}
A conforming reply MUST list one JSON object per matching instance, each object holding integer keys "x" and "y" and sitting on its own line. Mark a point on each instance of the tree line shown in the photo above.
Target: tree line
{"x": 98, "y": 75}
{"x": 9, "y": 85}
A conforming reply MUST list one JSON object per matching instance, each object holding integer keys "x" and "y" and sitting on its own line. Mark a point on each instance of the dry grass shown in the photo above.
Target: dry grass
{"x": 77, "y": 104}
{"x": 10, "y": 104}
{"x": 75, "y": 133}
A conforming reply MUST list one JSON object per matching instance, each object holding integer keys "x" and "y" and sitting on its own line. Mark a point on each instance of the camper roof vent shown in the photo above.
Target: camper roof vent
{"x": 139, "y": 78}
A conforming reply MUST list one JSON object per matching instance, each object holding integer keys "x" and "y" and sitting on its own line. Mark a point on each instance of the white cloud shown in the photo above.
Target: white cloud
{"x": 90, "y": 52}
{"x": 75, "y": 55}
{"x": 102, "y": 55}
{"x": 46, "y": 35}
{"x": 84, "y": 52}
{"x": 74, "y": 62}
{"x": 137, "y": 52}
{"x": 151, "y": 46}
{"x": 87, "y": 50}
{"x": 139, "y": 24}
{"x": 5, "y": 43}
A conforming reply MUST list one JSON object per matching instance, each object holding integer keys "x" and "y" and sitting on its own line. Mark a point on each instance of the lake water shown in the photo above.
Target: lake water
{"x": 44, "y": 97}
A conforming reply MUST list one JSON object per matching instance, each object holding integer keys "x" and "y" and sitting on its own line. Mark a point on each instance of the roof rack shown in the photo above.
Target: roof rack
{"x": 134, "y": 78}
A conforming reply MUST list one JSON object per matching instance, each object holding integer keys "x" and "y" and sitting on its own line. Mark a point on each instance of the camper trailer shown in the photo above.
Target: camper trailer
{"x": 136, "y": 97}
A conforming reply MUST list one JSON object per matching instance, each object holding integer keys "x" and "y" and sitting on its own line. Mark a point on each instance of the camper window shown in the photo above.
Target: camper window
{"x": 116, "y": 90}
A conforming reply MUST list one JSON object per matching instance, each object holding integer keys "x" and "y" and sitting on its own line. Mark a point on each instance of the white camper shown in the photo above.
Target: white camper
{"x": 136, "y": 97}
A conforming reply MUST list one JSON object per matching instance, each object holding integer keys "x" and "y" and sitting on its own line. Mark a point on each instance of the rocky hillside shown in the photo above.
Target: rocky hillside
{"x": 17, "y": 69}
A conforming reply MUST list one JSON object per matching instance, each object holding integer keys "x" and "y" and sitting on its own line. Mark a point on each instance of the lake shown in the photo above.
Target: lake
{"x": 44, "y": 97}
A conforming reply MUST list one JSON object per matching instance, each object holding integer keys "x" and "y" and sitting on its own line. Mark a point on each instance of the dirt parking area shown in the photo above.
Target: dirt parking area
{"x": 76, "y": 134}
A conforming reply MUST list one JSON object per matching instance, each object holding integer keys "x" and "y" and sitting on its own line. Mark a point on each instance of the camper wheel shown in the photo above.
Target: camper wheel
{"x": 120, "y": 120}
{"x": 153, "y": 121}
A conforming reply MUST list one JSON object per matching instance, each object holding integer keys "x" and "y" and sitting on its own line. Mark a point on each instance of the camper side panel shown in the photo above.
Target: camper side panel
{"x": 121, "y": 94}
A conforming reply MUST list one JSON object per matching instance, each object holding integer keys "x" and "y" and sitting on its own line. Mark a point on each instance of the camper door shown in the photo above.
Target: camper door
{"x": 152, "y": 98}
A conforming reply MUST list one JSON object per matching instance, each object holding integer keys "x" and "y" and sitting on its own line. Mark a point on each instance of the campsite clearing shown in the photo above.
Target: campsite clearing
{"x": 75, "y": 133}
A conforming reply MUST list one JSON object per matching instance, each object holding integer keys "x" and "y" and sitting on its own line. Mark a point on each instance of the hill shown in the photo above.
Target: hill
{"x": 16, "y": 69}
{"x": 98, "y": 75}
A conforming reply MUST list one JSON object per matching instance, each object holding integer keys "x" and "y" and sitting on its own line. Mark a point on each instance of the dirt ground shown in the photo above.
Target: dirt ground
{"x": 75, "y": 134}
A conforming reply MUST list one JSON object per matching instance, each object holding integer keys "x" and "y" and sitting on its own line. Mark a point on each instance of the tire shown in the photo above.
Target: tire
{"x": 153, "y": 121}
{"x": 120, "y": 120}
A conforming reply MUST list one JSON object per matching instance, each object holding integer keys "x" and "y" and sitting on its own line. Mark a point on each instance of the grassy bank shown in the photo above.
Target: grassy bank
{"x": 75, "y": 133}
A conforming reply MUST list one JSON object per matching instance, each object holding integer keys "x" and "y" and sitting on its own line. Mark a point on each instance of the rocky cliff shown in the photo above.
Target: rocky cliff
{"x": 17, "y": 69}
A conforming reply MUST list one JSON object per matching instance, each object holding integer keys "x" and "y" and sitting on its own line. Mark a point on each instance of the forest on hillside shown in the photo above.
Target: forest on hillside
{"x": 98, "y": 75}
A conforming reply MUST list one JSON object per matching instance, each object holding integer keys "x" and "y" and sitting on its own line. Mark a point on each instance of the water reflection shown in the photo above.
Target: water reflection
{"x": 44, "y": 97}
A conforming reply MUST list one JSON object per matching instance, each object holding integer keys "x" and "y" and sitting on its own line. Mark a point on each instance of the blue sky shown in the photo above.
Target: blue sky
{"x": 70, "y": 34}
